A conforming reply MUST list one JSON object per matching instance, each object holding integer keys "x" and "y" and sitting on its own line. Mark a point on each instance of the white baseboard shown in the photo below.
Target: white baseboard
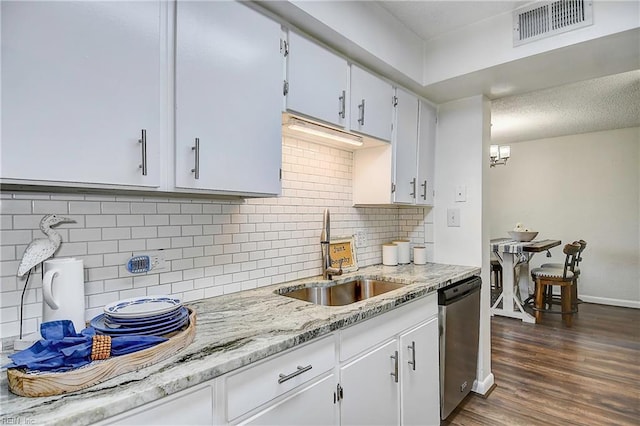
{"x": 613, "y": 302}
{"x": 482, "y": 387}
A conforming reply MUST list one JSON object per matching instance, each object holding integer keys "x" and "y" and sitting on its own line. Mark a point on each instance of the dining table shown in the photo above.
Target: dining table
{"x": 514, "y": 257}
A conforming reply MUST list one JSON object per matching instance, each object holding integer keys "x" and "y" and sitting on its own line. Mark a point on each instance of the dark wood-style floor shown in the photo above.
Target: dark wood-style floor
{"x": 547, "y": 374}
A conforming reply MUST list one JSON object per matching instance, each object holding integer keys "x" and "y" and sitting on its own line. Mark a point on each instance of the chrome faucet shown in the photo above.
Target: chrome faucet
{"x": 325, "y": 237}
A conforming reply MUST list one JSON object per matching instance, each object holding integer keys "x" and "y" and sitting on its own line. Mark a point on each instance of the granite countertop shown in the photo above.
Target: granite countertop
{"x": 232, "y": 331}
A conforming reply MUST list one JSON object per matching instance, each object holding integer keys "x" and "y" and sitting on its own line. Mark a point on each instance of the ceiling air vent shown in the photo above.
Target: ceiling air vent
{"x": 546, "y": 19}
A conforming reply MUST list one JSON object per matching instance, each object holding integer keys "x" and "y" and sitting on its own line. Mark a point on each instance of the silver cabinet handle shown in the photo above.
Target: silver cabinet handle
{"x": 361, "y": 109}
{"x": 196, "y": 169}
{"x": 342, "y": 99}
{"x": 412, "y": 363}
{"x": 395, "y": 369}
{"x": 413, "y": 184}
{"x": 143, "y": 141}
{"x": 424, "y": 190}
{"x": 284, "y": 377}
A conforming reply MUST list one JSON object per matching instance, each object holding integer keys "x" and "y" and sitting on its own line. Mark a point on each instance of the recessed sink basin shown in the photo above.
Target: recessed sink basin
{"x": 344, "y": 293}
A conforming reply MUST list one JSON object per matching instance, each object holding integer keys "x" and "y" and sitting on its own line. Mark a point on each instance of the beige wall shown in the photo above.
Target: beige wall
{"x": 578, "y": 187}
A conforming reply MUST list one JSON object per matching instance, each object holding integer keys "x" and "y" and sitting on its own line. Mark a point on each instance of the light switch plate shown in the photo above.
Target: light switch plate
{"x": 361, "y": 238}
{"x": 461, "y": 193}
{"x": 453, "y": 217}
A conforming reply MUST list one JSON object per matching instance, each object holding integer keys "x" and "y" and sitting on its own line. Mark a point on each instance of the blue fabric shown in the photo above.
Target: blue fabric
{"x": 62, "y": 349}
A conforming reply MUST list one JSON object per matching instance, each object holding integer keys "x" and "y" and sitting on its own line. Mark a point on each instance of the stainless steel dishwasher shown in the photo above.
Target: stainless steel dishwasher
{"x": 459, "y": 315}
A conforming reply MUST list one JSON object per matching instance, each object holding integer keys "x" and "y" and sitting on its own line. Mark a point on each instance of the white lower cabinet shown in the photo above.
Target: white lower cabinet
{"x": 370, "y": 391}
{"x": 419, "y": 393}
{"x": 190, "y": 407}
{"x": 311, "y": 405}
{"x": 377, "y": 376}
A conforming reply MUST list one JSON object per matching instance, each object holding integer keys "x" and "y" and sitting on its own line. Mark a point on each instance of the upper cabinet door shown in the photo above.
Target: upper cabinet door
{"x": 228, "y": 98}
{"x": 80, "y": 82}
{"x": 317, "y": 81}
{"x": 426, "y": 154}
{"x": 371, "y": 104}
{"x": 406, "y": 146}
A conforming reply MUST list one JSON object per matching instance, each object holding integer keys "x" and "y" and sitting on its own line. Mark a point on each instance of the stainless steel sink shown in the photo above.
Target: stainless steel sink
{"x": 344, "y": 293}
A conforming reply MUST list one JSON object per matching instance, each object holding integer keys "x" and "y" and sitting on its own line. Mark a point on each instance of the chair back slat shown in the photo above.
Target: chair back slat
{"x": 571, "y": 252}
{"x": 583, "y": 245}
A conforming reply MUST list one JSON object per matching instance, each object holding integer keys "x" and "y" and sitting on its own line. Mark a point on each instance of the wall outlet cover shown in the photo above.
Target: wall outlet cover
{"x": 461, "y": 193}
{"x": 453, "y": 217}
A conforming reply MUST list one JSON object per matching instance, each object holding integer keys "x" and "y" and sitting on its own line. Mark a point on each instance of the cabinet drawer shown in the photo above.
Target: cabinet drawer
{"x": 261, "y": 383}
{"x": 362, "y": 336}
{"x": 189, "y": 407}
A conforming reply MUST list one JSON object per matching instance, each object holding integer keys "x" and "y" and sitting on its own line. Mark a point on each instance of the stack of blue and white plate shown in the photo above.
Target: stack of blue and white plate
{"x": 147, "y": 315}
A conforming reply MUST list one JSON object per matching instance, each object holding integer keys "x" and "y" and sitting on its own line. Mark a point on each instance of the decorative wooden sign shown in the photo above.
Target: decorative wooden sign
{"x": 344, "y": 249}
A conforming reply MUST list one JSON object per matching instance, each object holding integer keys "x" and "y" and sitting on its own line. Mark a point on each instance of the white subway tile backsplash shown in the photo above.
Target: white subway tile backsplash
{"x": 116, "y": 233}
{"x": 168, "y": 231}
{"x": 84, "y": 207}
{"x": 15, "y": 237}
{"x": 143, "y": 208}
{"x": 87, "y": 234}
{"x": 115, "y": 208}
{"x": 10, "y": 206}
{"x": 131, "y": 245}
{"x": 129, "y": 220}
{"x": 211, "y": 246}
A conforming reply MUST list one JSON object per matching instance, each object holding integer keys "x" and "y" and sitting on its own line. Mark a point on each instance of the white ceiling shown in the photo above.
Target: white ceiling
{"x": 580, "y": 106}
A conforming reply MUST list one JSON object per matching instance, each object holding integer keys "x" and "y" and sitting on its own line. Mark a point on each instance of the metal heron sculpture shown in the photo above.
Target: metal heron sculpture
{"x": 40, "y": 250}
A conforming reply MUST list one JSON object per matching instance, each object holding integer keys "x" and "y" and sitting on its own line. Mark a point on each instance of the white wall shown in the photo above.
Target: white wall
{"x": 463, "y": 131}
{"x": 578, "y": 187}
{"x": 212, "y": 247}
{"x": 489, "y": 42}
{"x": 458, "y": 162}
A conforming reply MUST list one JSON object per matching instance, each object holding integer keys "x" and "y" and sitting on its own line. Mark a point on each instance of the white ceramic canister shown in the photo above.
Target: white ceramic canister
{"x": 419, "y": 255}
{"x": 404, "y": 251}
{"x": 63, "y": 291}
{"x": 389, "y": 254}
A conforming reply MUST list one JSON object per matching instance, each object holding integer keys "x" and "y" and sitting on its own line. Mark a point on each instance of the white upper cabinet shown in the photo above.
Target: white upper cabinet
{"x": 80, "y": 83}
{"x": 406, "y": 146}
{"x": 426, "y": 154}
{"x": 317, "y": 81}
{"x": 228, "y": 99}
{"x": 371, "y": 110}
{"x": 402, "y": 175}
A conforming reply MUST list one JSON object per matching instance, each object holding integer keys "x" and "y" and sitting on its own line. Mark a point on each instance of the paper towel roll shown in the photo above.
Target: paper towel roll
{"x": 404, "y": 251}
{"x": 389, "y": 254}
{"x": 419, "y": 255}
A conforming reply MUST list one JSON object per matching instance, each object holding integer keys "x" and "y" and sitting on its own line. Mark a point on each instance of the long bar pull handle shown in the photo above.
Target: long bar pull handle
{"x": 342, "y": 99}
{"x": 424, "y": 190}
{"x": 413, "y": 184}
{"x": 412, "y": 363}
{"x": 395, "y": 369}
{"x": 361, "y": 109}
{"x": 284, "y": 377}
{"x": 143, "y": 142}
{"x": 196, "y": 169}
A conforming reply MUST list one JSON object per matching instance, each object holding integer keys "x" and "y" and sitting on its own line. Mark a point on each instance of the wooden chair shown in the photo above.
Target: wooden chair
{"x": 576, "y": 275}
{"x": 547, "y": 277}
{"x": 496, "y": 274}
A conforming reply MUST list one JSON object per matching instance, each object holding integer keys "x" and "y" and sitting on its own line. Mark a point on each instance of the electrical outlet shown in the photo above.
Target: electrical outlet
{"x": 461, "y": 193}
{"x": 361, "y": 238}
{"x": 453, "y": 217}
{"x": 146, "y": 261}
